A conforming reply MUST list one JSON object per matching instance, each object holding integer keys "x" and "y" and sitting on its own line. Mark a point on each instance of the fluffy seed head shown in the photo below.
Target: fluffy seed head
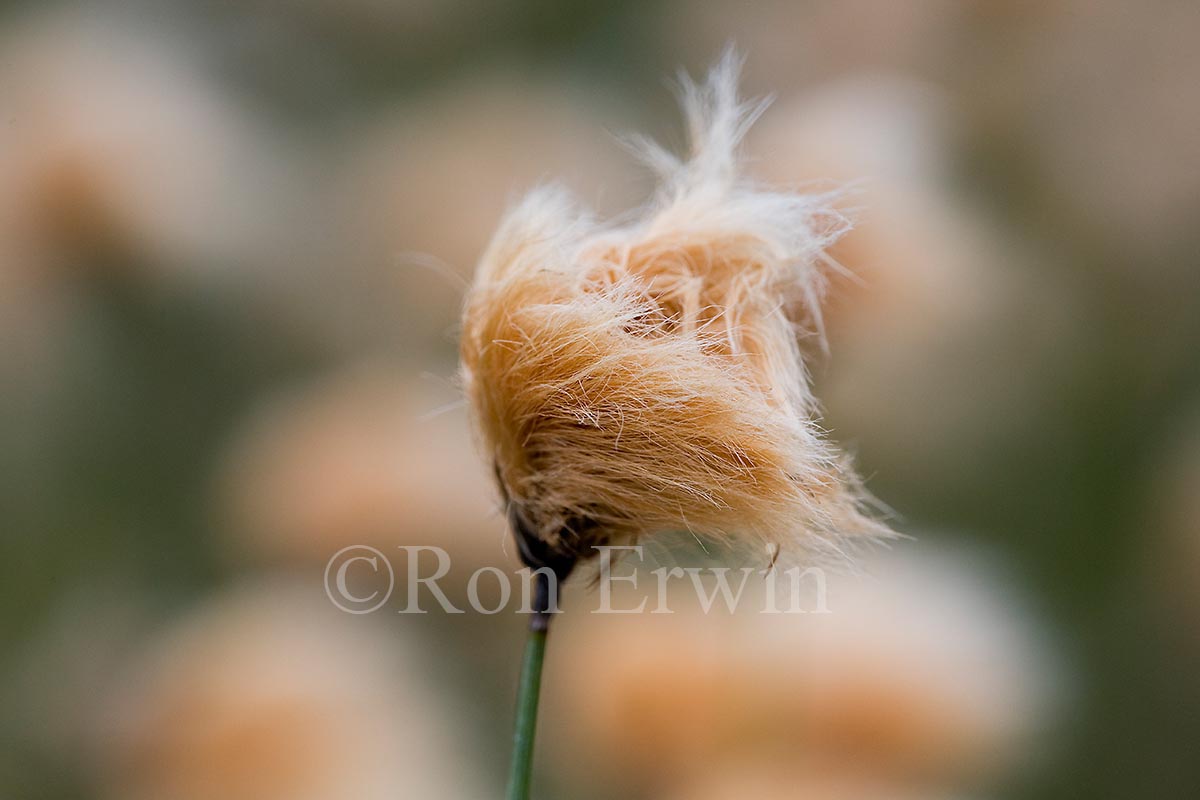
{"x": 646, "y": 375}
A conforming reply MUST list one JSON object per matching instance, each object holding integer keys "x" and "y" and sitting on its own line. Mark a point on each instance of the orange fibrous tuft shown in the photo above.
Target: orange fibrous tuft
{"x": 645, "y": 376}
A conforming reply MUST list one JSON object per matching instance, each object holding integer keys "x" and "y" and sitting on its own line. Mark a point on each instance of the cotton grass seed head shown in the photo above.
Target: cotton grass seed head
{"x": 645, "y": 375}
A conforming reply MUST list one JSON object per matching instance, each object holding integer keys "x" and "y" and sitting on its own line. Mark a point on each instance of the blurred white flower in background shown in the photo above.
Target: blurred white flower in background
{"x": 364, "y": 456}
{"x": 917, "y": 251}
{"x": 116, "y": 138}
{"x": 423, "y": 185}
{"x": 796, "y": 781}
{"x": 926, "y": 676}
{"x": 121, "y": 158}
{"x": 928, "y": 359}
{"x": 268, "y": 693}
{"x": 1104, "y": 93}
{"x": 794, "y": 44}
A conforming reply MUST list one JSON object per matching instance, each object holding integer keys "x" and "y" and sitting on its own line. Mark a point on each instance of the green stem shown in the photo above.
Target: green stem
{"x": 529, "y": 690}
{"x": 527, "y": 709}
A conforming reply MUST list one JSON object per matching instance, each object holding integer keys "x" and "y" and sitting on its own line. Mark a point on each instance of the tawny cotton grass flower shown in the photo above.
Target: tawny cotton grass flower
{"x": 635, "y": 377}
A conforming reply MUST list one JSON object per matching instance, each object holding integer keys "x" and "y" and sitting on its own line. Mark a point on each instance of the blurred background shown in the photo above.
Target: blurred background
{"x": 233, "y": 243}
